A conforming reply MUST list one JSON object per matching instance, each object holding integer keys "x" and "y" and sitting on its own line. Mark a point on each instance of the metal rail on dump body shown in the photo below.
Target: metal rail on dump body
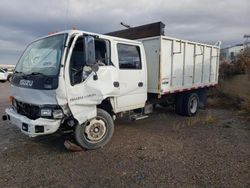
{"x": 177, "y": 65}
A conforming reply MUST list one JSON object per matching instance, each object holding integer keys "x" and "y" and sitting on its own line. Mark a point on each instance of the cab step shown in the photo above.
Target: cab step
{"x": 138, "y": 117}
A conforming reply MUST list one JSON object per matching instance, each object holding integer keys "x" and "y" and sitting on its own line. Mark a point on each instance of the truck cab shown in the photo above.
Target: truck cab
{"x": 78, "y": 80}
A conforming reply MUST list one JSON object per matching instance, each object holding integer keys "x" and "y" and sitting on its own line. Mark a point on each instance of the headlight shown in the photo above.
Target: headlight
{"x": 52, "y": 113}
{"x": 57, "y": 114}
{"x": 46, "y": 112}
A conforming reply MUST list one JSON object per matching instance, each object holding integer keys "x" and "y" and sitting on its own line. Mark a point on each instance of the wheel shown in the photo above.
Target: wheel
{"x": 190, "y": 104}
{"x": 96, "y": 132}
{"x": 179, "y": 104}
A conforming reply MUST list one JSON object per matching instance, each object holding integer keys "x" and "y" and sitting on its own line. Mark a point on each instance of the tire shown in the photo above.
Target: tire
{"x": 96, "y": 132}
{"x": 179, "y": 104}
{"x": 190, "y": 104}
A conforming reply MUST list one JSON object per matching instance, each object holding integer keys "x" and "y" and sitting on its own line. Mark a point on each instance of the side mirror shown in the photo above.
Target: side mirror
{"x": 95, "y": 67}
{"x": 89, "y": 46}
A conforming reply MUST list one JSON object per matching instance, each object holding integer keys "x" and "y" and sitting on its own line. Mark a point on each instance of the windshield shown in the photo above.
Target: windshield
{"x": 42, "y": 56}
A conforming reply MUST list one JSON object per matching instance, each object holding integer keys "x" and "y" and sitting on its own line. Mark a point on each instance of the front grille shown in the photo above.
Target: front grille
{"x": 28, "y": 110}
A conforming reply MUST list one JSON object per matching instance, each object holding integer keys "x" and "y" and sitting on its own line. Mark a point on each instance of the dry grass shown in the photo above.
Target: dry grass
{"x": 232, "y": 94}
{"x": 241, "y": 65}
{"x": 245, "y": 110}
{"x": 199, "y": 119}
{"x": 236, "y": 86}
{"x": 246, "y": 106}
{"x": 219, "y": 99}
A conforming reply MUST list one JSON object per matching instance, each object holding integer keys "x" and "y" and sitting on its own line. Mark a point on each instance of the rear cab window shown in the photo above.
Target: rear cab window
{"x": 129, "y": 56}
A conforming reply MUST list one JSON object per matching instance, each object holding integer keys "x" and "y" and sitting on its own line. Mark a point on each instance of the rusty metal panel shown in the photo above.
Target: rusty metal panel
{"x": 144, "y": 31}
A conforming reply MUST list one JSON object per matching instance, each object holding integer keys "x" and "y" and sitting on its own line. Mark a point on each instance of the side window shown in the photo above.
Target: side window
{"x": 1, "y": 71}
{"x": 129, "y": 56}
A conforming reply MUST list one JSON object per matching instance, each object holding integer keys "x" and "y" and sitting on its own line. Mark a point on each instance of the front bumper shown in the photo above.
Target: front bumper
{"x": 32, "y": 128}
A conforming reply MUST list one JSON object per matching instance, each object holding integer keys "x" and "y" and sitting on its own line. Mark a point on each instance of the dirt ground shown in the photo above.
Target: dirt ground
{"x": 164, "y": 150}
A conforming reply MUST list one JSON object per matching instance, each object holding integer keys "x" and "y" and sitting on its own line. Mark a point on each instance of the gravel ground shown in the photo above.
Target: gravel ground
{"x": 164, "y": 150}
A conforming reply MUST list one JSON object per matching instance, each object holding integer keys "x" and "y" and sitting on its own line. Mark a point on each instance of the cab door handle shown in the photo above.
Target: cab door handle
{"x": 116, "y": 84}
{"x": 140, "y": 84}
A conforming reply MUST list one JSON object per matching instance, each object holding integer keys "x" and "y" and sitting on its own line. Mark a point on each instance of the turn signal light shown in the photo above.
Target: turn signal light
{"x": 53, "y": 32}
{"x": 10, "y": 99}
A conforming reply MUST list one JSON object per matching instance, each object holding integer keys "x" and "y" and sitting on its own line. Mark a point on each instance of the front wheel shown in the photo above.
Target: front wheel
{"x": 96, "y": 132}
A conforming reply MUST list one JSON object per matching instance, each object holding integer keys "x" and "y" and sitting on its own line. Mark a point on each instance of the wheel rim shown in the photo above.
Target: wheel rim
{"x": 193, "y": 105}
{"x": 95, "y": 130}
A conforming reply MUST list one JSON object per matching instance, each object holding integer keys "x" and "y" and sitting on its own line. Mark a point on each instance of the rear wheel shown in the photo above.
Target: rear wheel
{"x": 190, "y": 104}
{"x": 96, "y": 132}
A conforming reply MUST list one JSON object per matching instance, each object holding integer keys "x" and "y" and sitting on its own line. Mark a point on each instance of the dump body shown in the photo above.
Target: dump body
{"x": 176, "y": 65}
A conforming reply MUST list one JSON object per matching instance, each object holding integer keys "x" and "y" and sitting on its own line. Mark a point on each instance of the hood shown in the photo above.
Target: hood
{"x": 34, "y": 96}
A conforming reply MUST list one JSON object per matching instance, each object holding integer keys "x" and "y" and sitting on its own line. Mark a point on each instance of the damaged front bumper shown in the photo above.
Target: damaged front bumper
{"x": 32, "y": 128}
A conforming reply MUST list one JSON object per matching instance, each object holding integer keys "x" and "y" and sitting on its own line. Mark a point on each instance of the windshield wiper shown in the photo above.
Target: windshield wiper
{"x": 18, "y": 72}
{"x": 37, "y": 73}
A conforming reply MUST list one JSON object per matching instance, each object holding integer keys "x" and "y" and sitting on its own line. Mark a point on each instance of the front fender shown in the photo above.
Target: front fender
{"x": 84, "y": 97}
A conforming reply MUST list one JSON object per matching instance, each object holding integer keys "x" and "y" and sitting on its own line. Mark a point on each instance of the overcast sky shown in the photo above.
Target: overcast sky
{"x": 22, "y": 21}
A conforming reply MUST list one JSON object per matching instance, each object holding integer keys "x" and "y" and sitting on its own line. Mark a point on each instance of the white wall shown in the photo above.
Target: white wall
{"x": 228, "y": 54}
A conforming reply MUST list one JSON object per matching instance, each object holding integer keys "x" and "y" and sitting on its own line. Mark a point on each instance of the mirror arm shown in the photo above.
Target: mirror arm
{"x": 95, "y": 76}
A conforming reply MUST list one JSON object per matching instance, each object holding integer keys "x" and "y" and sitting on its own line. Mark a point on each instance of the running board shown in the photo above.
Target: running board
{"x": 138, "y": 117}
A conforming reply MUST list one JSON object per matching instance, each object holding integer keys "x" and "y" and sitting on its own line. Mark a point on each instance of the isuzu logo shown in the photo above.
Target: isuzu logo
{"x": 28, "y": 83}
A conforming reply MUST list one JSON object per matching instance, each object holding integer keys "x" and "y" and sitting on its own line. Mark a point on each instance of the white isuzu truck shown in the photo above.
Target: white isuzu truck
{"x": 81, "y": 81}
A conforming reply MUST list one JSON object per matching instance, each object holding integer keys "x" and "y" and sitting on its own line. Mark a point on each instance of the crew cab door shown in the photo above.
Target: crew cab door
{"x": 132, "y": 77}
{"x": 86, "y": 89}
